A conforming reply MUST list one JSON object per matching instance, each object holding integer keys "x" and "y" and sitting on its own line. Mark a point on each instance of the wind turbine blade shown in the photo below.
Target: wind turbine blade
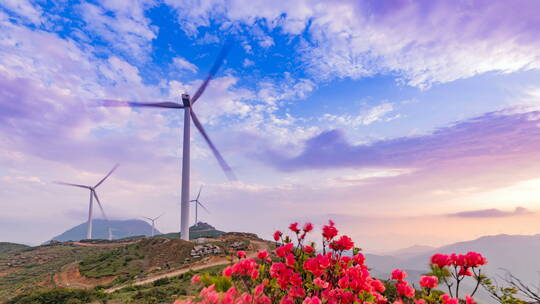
{"x": 103, "y": 213}
{"x": 146, "y": 218}
{"x": 219, "y": 60}
{"x": 159, "y": 216}
{"x": 74, "y": 185}
{"x": 198, "y": 195}
{"x": 200, "y": 204}
{"x": 136, "y": 104}
{"x": 226, "y": 168}
{"x": 108, "y": 174}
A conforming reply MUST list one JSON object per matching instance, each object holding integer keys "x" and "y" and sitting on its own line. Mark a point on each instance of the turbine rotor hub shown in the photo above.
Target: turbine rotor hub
{"x": 185, "y": 100}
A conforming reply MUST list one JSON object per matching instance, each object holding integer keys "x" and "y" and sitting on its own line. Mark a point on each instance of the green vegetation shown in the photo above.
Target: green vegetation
{"x": 131, "y": 260}
{"x": 59, "y": 295}
{"x": 35, "y": 266}
{"x": 7, "y": 248}
{"x": 164, "y": 290}
{"x": 127, "y": 261}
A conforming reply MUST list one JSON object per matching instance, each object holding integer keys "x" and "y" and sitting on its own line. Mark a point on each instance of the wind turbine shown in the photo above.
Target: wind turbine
{"x": 189, "y": 114}
{"x": 198, "y": 203}
{"x": 153, "y": 220}
{"x": 93, "y": 194}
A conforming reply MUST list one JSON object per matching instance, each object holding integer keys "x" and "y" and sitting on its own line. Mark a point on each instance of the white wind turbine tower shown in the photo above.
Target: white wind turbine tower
{"x": 189, "y": 114}
{"x": 198, "y": 203}
{"x": 153, "y": 220}
{"x": 93, "y": 194}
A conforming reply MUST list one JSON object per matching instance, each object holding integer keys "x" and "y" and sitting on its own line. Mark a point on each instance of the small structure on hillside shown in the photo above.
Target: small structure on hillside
{"x": 203, "y": 250}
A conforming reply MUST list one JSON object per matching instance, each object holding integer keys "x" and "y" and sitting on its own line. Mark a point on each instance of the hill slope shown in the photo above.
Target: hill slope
{"x": 120, "y": 229}
{"x": 6, "y": 248}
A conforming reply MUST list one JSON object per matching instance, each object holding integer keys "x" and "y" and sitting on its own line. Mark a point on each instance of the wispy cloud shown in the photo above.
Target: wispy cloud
{"x": 483, "y": 213}
{"x": 183, "y": 64}
{"x": 373, "y": 114}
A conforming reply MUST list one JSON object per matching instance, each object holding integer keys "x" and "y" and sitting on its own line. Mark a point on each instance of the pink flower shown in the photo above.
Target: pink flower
{"x": 440, "y": 260}
{"x": 399, "y": 275}
{"x": 469, "y": 300}
{"x": 294, "y": 227}
{"x": 429, "y": 281}
{"x": 320, "y": 283}
{"x": 359, "y": 259}
{"x": 254, "y": 274}
{"x": 259, "y": 289}
{"x": 195, "y": 279}
{"x": 297, "y": 292}
{"x": 312, "y": 300}
{"x": 262, "y": 255}
{"x": 344, "y": 243}
{"x": 474, "y": 259}
{"x": 282, "y": 251}
{"x": 404, "y": 289}
{"x": 308, "y": 249}
{"x": 290, "y": 260}
{"x": 378, "y": 285}
{"x": 228, "y": 272}
{"x": 419, "y": 301}
{"x": 446, "y": 299}
{"x": 277, "y": 235}
{"x": 241, "y": 254}
{"x": 286, "y": 300}
{"x": 329, "y": 231}
{"x": 308, "y": 227}
{"x": 463, "y": 271}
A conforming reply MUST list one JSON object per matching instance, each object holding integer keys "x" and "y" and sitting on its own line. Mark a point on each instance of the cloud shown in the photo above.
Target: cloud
{"x": 485, "y": 213}
{"x": 367, "y": 117}
{"x": 121, "y": 24}
{"x": 247, "y": 63}
{"x": 184, "y": 64}
{"x": 24, "y": 9}
{"x": 492, "y": 136}
{"x": 422, "y": 42}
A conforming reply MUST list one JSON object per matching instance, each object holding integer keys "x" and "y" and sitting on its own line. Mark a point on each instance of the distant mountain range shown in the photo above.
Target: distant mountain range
{"x": 519, "y": 254}
{"x": 130, "y": 228}
{"x": 120, "y": 229}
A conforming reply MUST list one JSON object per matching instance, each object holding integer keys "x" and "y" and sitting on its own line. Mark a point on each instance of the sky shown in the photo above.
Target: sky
{"x": 406, "y": 122}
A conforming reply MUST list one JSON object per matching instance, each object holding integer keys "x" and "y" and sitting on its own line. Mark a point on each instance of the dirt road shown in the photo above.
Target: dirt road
{"x": 258, "y": 245}
{"x": 70, "y": 276}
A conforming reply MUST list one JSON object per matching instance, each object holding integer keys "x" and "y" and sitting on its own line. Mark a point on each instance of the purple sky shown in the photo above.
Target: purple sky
{"x": 385, "y": 116}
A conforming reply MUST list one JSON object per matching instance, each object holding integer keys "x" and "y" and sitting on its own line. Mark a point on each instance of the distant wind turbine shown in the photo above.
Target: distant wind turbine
{"x": 93, "y": 194}
{"x": 198, "y": 203}
{"x": 153, "y": 220}
{"x": 189, "y": 114}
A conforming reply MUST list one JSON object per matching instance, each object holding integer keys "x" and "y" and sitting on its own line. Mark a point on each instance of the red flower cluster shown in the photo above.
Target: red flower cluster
{"x": 329, "y": 231}
{"x": 471, "y": 259}
{"x": 246, "y": 267}
{"x": 294, "y": 227}
{"x": 342, "y": 244}
{"x": 301, "y": 275}
{"x": 277, "y": 235}
{"x": 402, "y": 287}
{"x": 429, "y": 281}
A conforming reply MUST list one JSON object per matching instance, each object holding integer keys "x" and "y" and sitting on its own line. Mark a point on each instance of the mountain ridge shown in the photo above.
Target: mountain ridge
{"x": 120, "y": 229}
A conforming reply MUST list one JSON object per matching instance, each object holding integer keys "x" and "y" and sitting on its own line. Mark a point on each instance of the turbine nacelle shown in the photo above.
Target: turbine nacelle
{"x": 186, "y": 100}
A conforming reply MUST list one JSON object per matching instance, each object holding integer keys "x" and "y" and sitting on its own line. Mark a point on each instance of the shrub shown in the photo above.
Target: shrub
{"x": 299, "y": 274}
{"x": 58, "y": 295}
